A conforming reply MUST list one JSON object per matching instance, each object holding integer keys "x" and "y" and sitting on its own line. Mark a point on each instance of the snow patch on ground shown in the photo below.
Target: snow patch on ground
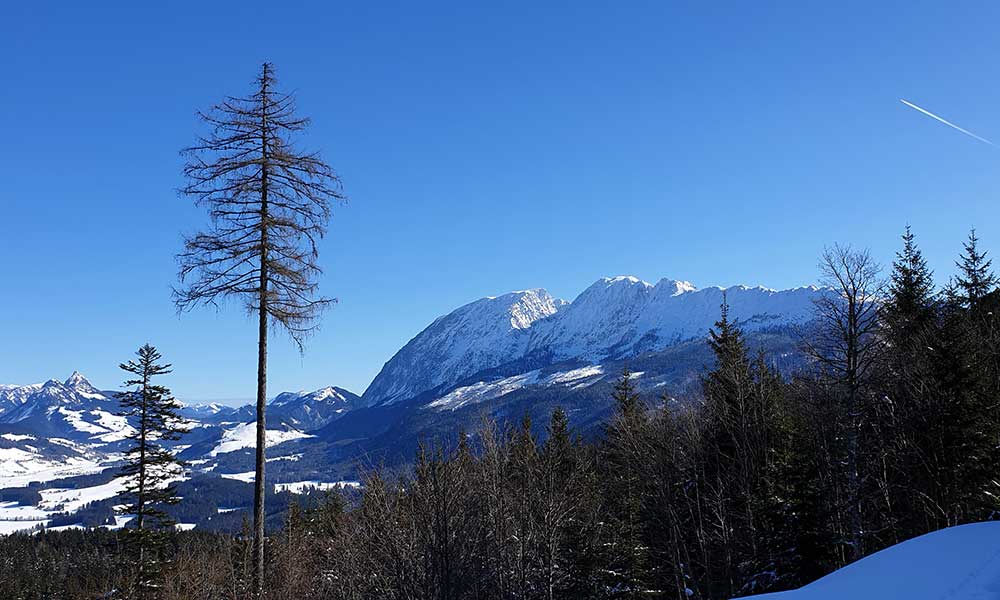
{"x": 71, "y": 500}
{"x": 8, "y": 527}
{"x": 244, "y": 436}
{"x": 247, "y": 477}
{"x": 12, "y": 511}
{"x": 19, "y": 467}
{"x": 958, "y": 562}
{"x": 299, "y": 487}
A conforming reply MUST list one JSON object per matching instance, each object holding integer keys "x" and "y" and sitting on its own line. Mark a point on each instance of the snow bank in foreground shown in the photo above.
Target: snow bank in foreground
{"x": 956, "y": 563}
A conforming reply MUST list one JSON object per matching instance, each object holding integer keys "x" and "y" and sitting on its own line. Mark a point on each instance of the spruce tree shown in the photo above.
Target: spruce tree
{"x": 901, "y": 430}
{"x": 624, "y": 452}
{"x": 968, "y": 369}
{"x": 149, "y": 467}
{"x": 726, "y": 338}
{"x": 625, "y": 395}
{"x": 269, "y": 205}
{"x": 975, "y": 279}
{"x": 909, "y": 308}
{"x": 559, "y": 483}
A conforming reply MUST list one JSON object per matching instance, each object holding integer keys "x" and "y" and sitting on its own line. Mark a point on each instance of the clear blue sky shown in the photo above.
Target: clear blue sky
{"x": 485, "y": 147}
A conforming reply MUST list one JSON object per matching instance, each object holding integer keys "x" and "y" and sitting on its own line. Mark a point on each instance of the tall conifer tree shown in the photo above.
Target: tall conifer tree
{"x": 269, "y": 203}
{"x": 976, "y": 278}
{"x": 909, "y": 307}
{"x": 149, "y": 466}
{"x": 623, "y": 454}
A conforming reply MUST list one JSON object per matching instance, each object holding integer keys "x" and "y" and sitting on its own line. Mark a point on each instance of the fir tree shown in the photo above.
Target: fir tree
{"x": 624, "y": 452}
{"x": 909, "y": 308}
{"x": 625, "y": 395}
{"x": 897, "y": 432}
{"x": 975, "y": 279}
{"x": 152, "y": 411}
{"x": 726, "y": 338}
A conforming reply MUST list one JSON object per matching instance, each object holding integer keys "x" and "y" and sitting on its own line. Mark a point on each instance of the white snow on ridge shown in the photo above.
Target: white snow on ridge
{"x": 16, "y": 395}
{"x": 615, "y": 318}
{"x": 101, "y": 425}
{"x": 479, "y": 335}
{"x": 576, "y": 375}
{"x": 244, "y": 436}
{"x": 483, "y": 391}
{"x": 955, "y": 563}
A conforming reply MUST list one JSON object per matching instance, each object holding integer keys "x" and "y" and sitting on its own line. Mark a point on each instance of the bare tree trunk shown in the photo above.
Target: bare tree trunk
{"x": 263, "y": 195}
{"x": 259, "y": 490}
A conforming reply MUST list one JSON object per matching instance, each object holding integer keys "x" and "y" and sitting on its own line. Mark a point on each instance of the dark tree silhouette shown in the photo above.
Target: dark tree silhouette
{"x": 269, "y": 205}
{"x": 975, "y": 278}
{"x": 152, "y": 411}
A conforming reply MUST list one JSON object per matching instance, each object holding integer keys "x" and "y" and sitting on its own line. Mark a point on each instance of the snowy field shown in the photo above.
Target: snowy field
{"x": 245, "y": 436}
{"x": 15, "y": 517}
{"x": 19, "y": 467}
{"x": 959, "y": 563}
{"x": 299, "y": 487}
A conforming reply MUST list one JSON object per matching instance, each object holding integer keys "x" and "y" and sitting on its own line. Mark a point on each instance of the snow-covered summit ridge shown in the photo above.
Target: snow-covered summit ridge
{"x": 75, "y": 390}
{"x": 513, "y": 310}
{"x": 615, "y": 317}
{"x": 475, "y": 336}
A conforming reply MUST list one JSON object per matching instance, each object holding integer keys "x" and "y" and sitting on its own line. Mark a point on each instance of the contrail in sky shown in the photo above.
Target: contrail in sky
{"x": 948, "y": 123}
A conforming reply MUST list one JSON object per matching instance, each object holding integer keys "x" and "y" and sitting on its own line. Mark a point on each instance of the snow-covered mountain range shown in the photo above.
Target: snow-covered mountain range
{"x": 520, "y": 353}
{"x": 614, "y": 318}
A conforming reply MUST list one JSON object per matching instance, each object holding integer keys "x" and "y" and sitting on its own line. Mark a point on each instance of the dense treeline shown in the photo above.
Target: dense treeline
{"x": 764, "y": 482}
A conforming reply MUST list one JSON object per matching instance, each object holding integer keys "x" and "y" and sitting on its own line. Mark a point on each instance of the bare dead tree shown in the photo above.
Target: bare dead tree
{"x": 846, "y": 347}
{"x": 269, "y": 205}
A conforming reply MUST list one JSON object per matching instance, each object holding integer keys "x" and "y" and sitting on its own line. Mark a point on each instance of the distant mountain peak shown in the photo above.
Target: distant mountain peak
{"x": 677, "y": 287}
{"x": 77, "y": 380}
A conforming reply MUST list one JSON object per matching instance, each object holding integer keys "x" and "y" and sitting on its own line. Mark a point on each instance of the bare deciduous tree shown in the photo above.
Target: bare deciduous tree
{"x": 269, "y": 205}
{"x": 846, "y": 347}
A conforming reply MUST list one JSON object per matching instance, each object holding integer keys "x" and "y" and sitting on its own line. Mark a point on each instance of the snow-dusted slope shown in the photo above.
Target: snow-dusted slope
{"x": 311, "y": 410}
{"x": 244, "y": 435}
{"x": 25, "y": 458}
{"x": 476, "y": 336}
{"x": 59, "y": 429}
{"x": 614, "y": 318}
{"x": 73, "y": 409}
{"x": 13, "y": 396}
{"x": 950, "y": 564}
